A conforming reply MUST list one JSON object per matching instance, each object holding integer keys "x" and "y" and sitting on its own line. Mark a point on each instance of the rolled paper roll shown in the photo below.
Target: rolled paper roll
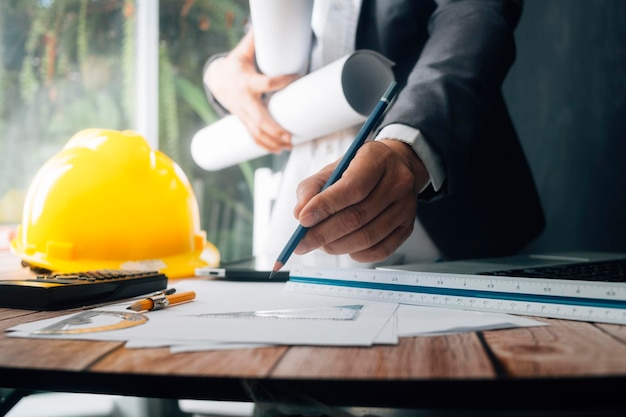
{"x": 336, "y": 96}
{"x": 282, "y": 35}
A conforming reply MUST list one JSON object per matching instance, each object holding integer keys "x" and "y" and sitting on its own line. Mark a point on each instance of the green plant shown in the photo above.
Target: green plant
{"x": 192, "y": 31}
{"x": 60, "y": 72}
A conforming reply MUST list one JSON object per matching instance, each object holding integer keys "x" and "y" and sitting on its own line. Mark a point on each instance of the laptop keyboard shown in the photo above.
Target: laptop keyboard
{"x": 609, "y": 271}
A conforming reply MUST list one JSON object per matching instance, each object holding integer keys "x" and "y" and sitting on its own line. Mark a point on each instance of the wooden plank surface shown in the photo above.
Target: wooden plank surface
{"x": 562, "y": 349}
{"x": 46, "y": 354}
{"x": 64, "y": 355}
{"x": 255, "y": 363}
{"x": 7, "y": 313}
{"x": 451, "y": 356}
{"x": 615, "y": 330}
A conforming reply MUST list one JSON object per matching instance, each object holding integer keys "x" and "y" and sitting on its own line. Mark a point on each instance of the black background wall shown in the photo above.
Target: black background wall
{"x": 567, "y": 96}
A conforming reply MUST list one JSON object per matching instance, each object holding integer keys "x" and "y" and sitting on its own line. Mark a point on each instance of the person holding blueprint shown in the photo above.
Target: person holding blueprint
{"x": 445, "y": 177}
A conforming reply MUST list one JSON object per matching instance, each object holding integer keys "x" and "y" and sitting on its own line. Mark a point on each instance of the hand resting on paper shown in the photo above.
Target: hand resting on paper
{"x": 370, "y": 211}
{"x": 235, "y": 82}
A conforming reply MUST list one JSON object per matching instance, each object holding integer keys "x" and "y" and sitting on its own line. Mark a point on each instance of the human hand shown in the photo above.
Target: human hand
{"x": 235, "y": 82}
{"x": 370, "y": 211}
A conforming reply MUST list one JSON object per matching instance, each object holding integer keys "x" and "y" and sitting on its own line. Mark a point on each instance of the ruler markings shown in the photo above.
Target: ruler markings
{"x": 498, "y": 295}
{"x": 588, "y": 301}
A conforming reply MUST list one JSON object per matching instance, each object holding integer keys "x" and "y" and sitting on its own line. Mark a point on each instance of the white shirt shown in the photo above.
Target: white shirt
{"x": 334, "y": 24}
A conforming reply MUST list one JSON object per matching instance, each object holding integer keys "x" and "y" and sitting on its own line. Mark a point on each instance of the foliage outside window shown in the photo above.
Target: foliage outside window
{"x": 70, "y": 64}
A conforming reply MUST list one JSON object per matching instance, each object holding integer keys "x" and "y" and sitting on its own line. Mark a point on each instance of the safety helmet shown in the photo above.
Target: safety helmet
{"x": 108, "y": 201}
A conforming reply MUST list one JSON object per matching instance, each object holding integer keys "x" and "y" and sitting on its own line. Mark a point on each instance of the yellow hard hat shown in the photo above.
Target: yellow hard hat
{"x": 108, "y": 201}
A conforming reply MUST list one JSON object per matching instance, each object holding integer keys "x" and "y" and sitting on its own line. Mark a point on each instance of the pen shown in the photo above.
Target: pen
{"x": 360, "y": 138}
{"x": 162, "y": 300}
{"x": 239, "y": 274}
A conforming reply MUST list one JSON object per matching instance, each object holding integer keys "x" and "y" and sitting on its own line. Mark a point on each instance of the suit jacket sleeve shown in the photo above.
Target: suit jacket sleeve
{"x": 454, "y": 85}
{"x": 452, "y": 58}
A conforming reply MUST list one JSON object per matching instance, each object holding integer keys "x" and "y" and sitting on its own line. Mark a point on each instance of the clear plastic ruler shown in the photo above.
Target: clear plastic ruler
{"x": 574, "y": 300}
{"x": 342, "y": 312}
{"x": 94, "y": 321}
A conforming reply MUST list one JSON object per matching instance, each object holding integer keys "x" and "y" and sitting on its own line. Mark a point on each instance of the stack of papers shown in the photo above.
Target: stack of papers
{"x": 227, "y": 315}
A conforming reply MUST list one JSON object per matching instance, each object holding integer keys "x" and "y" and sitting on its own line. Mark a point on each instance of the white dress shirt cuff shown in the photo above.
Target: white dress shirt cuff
{"x": 424, "y": 151}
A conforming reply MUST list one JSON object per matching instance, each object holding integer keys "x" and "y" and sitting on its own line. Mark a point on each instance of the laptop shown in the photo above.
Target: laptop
{"x": 585, "y": 266}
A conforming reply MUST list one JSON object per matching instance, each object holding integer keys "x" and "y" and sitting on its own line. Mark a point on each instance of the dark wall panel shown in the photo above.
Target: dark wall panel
{"x": 567, "y": 96}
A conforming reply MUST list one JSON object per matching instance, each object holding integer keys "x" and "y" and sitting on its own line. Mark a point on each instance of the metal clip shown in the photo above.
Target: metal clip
{"x": 159, "y": 298}
{"x": 159, "y": 301}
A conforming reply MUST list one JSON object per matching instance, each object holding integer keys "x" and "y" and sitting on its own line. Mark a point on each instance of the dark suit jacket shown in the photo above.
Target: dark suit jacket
{"x": 451, "y": 60}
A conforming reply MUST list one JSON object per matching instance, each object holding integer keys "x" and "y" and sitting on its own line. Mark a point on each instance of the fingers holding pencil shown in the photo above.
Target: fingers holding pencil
{"x": 369, "y": 213}
{"x": 369, "y": 125}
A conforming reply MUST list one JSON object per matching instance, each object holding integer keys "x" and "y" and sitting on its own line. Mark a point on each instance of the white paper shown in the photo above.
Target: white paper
{"x": 204, "y": 346}
{"x": 379, "y": 323}
{"x": 336, "y": 96}
{"x": 387, "y": 336}
{"x": 421, "y": 320}
{"x": 176, "y": 346}
{"x": 185, "y": 323}
{"x": 282, "y": 35}
{"x": 409, "y": 321}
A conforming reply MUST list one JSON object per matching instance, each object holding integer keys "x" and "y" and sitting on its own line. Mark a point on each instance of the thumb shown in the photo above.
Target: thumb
{"x": 245, "y": 47}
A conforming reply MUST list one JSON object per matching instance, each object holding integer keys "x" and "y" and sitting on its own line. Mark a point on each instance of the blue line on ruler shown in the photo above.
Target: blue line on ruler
{"x": 536, "y": 298}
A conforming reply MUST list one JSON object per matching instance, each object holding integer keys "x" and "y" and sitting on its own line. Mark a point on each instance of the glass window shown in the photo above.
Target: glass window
{"x": 67, "y": 65}
{"x": 190, "y": 32}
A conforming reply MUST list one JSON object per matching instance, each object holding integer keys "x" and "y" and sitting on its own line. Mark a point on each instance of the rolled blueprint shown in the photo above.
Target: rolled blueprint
{"x": 282, "y": 35}
{"x": 336, "y": 96}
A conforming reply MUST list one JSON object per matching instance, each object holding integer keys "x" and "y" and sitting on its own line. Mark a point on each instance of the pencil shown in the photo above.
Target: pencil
{"x": 162, "y": 301}
{"x": 360, "y": 138}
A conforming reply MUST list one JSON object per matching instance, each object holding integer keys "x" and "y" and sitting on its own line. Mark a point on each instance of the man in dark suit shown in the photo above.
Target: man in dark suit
{"x": 462, "y": 170}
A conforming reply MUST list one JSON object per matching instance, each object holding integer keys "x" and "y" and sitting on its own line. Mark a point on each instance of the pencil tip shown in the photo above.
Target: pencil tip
{"x": 277, "y": 266}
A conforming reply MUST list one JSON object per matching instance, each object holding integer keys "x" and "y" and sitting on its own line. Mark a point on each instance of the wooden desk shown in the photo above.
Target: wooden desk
{"x": 567, "y": 366}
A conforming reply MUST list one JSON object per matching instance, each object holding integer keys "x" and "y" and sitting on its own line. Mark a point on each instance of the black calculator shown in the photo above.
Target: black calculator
{"x": 68, "y": 290}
